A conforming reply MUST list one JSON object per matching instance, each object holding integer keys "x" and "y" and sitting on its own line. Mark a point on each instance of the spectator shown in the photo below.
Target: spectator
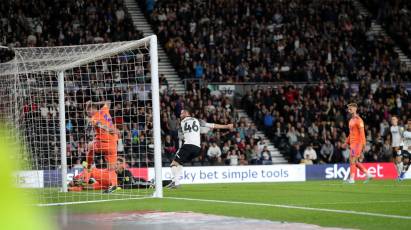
{"x": 242, "y": 131}
{"x": 292, "y": 136}
{"x": 297, "y": 154}
{"x": 268, "y": 122}
{"x": 326, "y": 153}
{"x": 214, "y": 153}
{"x": 226, "y": 148}
{"x": 374, "y": 154}
{"x": 233, "y": 157}
{"x": 337, "y": 156}
{"x": 384, "y": 127}
{"x": 310, "y": 156}
{"x": 199, "y": 70}
{"x": 251, "y": 131}
{"x": 261, "y": 145}
{"x": 243, "y": 159}
{"x": 173, "y": 125}
{"x": 265, "y": 157}
{"x": 135, "y": 134}
{"x": 78, "y": 165}
{"x": 255, "y": 156}
{"x": 170, "y": 148}
{"x": 387, "y": 150}
{"x": 346, "y": 154}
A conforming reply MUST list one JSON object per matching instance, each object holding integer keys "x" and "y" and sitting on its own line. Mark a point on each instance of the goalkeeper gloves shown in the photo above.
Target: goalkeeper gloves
{"x": 86, "y": 166}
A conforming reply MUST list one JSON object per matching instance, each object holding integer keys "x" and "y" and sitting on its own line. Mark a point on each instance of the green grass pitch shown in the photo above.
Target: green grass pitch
{"x": 389, "y": 199}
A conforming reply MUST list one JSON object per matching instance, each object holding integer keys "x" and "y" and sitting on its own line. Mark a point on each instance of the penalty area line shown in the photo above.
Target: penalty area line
{"x": 295, "y": 207}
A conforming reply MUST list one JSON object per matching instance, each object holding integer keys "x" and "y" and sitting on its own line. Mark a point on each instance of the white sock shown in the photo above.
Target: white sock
{"x": 176, "y": 171}
{"x": 400, "y": 167}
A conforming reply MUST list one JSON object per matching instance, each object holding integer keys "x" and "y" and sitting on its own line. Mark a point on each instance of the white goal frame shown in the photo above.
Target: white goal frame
{"x": 14, "y": 68}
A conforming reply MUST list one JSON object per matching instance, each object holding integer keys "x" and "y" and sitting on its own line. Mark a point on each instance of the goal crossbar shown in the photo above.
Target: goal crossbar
{"x": 40, "y": 59}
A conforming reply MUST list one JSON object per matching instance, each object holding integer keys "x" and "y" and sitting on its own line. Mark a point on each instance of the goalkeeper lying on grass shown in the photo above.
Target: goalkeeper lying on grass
{"x": 95, "y": 179}
{"x": 126, "y": 180}
{"x": 107, "y": 180}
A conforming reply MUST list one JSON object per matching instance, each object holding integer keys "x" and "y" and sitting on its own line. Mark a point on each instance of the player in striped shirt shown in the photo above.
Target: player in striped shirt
{"x": 405, "y": 152}
{"x": 396, "y": 144}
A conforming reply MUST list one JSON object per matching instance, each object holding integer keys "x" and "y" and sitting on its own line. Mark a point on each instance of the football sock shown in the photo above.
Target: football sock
{"x": 400, "y": 167}
{"x": 173, "y": 172}
{"x": 178, "y": 174}
{"x": 352, "y": 170}
{"x": 361, "y": 167}
{"x": 176, "y": 170}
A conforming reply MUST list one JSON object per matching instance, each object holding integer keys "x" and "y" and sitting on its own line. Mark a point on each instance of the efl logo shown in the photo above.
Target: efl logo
{"x": 378, "y": 170}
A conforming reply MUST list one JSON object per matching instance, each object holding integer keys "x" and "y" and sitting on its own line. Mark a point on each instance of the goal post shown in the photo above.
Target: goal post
{"x": 45, "y": 91}
{"x": 156, "y": 116}
{"x": 62, "y": 121}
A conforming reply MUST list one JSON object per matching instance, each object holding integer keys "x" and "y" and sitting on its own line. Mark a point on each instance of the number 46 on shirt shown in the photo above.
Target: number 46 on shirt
{"x": 188, "y": 127}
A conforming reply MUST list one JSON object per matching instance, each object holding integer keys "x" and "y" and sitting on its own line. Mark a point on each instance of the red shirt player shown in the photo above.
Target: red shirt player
{"x": 356, "y": 142}
{"x": 106, "y": 135}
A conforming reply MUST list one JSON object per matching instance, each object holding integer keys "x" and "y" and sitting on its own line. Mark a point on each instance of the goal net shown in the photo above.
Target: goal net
{"x": 88, "y": 120}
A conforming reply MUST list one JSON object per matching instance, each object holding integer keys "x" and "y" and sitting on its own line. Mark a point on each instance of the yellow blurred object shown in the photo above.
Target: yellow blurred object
{"x": 17, "y": 210}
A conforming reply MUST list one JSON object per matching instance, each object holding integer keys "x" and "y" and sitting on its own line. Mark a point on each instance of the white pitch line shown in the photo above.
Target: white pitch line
{"x": 114, "y": 194}
{"x": 90, "y": 201}
{"x": 358, "y": 202}
{"x": 295, "y": 207}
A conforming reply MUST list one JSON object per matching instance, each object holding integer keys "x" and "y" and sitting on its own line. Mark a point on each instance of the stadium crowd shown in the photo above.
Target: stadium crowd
{"x": 51, "y": 23}
{"x": 223, "y": 41}
{"x": 32, "y": 23}
{"x": 239, "y": 146}
{"x": 329, "y": 42}
{"x": 309, "y": 122}
{"x": 395, "y": 17}
{"x": 265, "y": 41}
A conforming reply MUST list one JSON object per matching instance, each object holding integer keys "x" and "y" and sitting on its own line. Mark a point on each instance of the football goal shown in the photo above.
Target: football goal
{"x": 87, "y": 118}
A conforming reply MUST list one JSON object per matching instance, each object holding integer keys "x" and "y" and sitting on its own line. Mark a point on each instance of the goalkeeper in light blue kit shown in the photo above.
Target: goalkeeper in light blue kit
{"x": 405, "y": 152}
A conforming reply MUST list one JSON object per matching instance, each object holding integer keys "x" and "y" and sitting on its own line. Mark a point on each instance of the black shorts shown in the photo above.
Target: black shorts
{"x": 187, "y": 153}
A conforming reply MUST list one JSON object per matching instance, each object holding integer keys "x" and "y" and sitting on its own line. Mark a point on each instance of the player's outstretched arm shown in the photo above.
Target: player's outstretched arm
{"x": 220, "y": 126}
{"x": 205, "y": 127}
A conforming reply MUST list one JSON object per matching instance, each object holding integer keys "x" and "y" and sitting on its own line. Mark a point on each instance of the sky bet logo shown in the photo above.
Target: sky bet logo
{"x": 343, "y": 172}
